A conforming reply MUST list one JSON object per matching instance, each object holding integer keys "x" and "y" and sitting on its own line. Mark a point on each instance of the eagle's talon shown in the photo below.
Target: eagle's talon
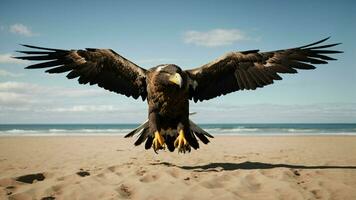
{"x": 181, "y": 143}
{"x": 184, "y": 149}
{"x": 158, "y": 142}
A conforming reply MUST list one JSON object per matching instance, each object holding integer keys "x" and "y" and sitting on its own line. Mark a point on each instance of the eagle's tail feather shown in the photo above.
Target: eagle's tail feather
{"x": 170, "y": 142}
{"x": 138, "y": 129}
{"x": 143, "y": 131}
{"x": 192, "y": 140}
{"x": 199, "y": 132}
{"x": 142, "y": 137}
{"x": 195, "y": 130}
{"x": 202, "y": 137}
{"x": 191, "y": 136}
{"x": 148, "y": 143}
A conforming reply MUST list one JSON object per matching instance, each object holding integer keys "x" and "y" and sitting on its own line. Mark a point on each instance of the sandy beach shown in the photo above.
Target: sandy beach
{"x": 231, "y": 167}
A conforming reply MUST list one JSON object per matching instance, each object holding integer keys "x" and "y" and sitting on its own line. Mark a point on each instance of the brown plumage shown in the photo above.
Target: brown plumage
{"x": 168, "y": 88}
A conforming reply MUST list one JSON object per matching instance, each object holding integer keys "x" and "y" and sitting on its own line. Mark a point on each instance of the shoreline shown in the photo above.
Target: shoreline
{"x": 215, "y": 135}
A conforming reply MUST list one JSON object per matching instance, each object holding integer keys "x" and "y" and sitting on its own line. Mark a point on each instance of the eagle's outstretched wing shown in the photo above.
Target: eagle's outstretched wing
{"x": 251, "y": 69}
{"x": 94, "y": 66}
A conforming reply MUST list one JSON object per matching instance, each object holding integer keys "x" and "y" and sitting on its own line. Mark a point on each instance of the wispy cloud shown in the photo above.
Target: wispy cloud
{"x": 86, "y": 108}
{"x": 21, "y": 30}
{"x": 12, "y": 99}
{"x": 20, "y": 87}
{"x": 6, "y": 73}
{"x": 22, "y": 102}
{"x": 215, "y": 37}
{"x": 22, "y": 96}
{"x": 7, "y": 58}
{"x": 15, "y": 93}
{"x": 276, "y": 113}
{"x": 72, "y": 104}
{"x": 38, "y": 90}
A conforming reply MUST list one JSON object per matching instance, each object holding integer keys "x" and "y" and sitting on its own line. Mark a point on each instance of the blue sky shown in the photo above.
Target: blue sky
{"x": 188, "y": 34}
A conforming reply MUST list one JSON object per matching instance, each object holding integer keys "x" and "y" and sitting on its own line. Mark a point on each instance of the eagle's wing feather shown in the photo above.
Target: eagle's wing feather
{"x": 103, "y": 67}
{"x": 252, "y": 69}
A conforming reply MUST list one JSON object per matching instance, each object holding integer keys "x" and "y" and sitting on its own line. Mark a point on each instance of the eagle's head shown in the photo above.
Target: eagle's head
{"x": 170, "y": 74}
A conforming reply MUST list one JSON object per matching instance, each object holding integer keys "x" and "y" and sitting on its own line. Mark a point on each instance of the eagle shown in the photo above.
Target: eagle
{"x": 168, "y": 88}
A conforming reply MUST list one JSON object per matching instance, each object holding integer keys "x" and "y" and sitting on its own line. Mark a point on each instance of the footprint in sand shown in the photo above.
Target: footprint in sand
{"x": 58, "y": 188}
{"x": 140, "y": 172}
{"x": 9, "y": 189}
{"x": 124, "y": 191}
{"x": 296, "y": 172}
{"x": 149, "y": 178}
{"x": 30, "y": 178}
{"x": 83, "y": 173}
{"x": 48, "y": 198}
{"x": 113, "y": 168}
{"x": 318, "y": 194}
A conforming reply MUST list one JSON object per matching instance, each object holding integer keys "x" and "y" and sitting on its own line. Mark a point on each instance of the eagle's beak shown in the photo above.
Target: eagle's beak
{"x": 176, "y": 79}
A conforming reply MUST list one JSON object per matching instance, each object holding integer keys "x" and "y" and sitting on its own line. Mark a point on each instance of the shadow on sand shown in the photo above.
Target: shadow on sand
{"x": 250, "y": 165}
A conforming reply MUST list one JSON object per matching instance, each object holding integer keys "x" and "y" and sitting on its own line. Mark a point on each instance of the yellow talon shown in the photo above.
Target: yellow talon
{"x": 158, "y": 142}
{"x": 181, "y": 143}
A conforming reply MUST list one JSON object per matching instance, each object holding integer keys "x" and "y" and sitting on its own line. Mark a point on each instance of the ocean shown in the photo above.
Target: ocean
{"x": 214, "y": 129}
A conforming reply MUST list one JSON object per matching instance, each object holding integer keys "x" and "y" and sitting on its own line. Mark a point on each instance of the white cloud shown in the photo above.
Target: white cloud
{"x": 275, "y": 113}
{"x": 215, "y": 37}
{"x": 14, "y": 94}
{"x": 21, "y": 30}
{"x": 71, "y": 92}
{"x": 26, "y": 102}
{"x": 19, "y": 87}
{"x": 13, "y": 99}
{"x": 6, "y": 73}
{"x": 86, "y": 108}
{"x": 7, "y": 58}
{"x": 23, "y": 102}
{"x": 49, "y": 91}
{"x": 21, "y": 93}
{"x": 34, "y": 98}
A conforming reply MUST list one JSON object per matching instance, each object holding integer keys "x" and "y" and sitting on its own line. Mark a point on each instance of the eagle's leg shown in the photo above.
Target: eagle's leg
{"x": 154, "y": 123}
{"x": 181, "y": 143}
{"x": 158, "y": 142}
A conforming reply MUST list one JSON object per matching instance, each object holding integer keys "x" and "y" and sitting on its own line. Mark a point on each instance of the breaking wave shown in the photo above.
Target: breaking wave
{"x": 215, "y": 129}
